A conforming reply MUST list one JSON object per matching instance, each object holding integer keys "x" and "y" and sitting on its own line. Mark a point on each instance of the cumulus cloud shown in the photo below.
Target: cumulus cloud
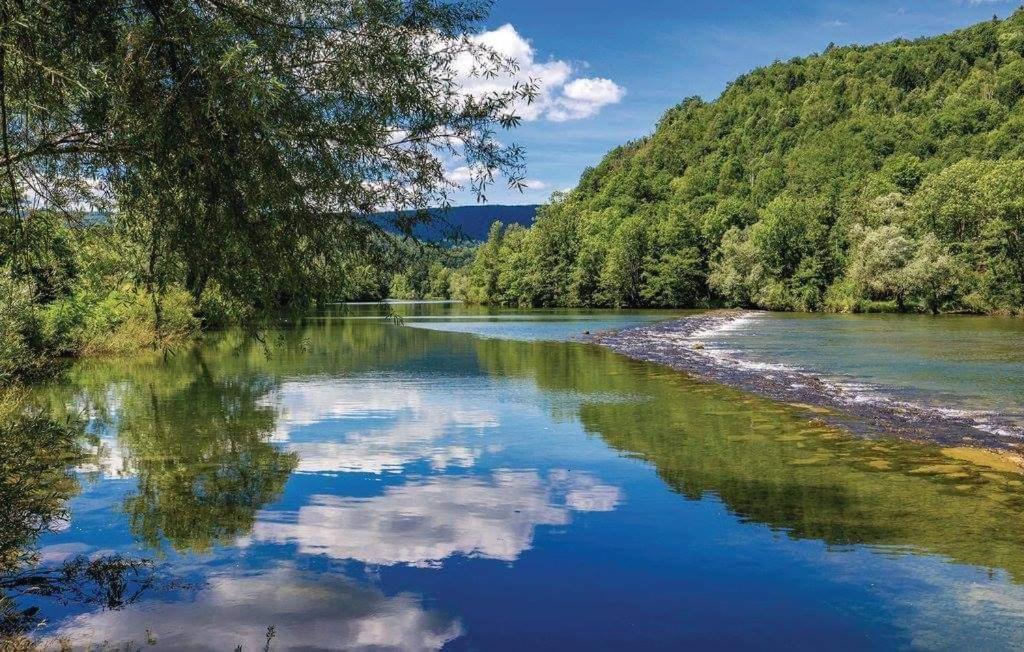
{"x": 463, "y": 174}
{"x": 562, "y": 97}
{"x": 425, "y": 522}
{"x": 307, "y": 612}
{"x": 107, "y": 459}
{"x": 583, "y": 98}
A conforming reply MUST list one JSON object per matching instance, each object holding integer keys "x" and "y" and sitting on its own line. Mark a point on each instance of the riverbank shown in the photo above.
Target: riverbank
{"x": 684, "y": 344}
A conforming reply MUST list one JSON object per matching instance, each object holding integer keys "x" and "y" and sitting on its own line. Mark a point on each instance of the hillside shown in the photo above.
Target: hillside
{"x": 465, "y": 222}
{"x": 884, "y": 177}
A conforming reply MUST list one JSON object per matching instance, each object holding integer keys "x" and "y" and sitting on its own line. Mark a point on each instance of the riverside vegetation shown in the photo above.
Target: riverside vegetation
{"x": 126, "y": 221}
{"x": 887, "y": 177}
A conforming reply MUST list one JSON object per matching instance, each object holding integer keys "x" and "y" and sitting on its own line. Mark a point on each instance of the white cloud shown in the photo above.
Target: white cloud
{"x": 60, "y": 552}
{"x": 307, "y": 612}
{"x": 463, "y": 174}
{"x": 561, "y": 97}
{"x": 583, "y": 98}
{"x": 107, "y": 460}
{"x": 425, "y": 522}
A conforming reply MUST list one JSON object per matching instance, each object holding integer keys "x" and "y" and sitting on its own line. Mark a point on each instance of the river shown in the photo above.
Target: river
{"x": 470, "y": 479}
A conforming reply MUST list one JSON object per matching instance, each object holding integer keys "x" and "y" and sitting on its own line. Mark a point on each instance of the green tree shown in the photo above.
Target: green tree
{"x": 878, "y": 264}
{"x": 933, "y": 275}
{"x": 622, "y": 273}
{"x": 338, "y": 108}
{"x": 783, "y": 175}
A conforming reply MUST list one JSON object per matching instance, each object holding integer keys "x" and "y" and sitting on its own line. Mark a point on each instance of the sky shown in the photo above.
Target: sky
{"x": 609, "y": 69}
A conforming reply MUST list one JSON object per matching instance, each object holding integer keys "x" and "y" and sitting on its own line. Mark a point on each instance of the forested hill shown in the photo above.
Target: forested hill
{"x": 880, "y": 177}
{"x": 469, "y": 222}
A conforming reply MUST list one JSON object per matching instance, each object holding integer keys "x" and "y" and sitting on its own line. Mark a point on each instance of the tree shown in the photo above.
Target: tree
{"x": 438, "y": 281}
{"x": 674, "y": 279}
{"x": 737, "y": 273}
{"x": 932, "y": 275}
{"x": 401, "y": 288}
{"x": 877, "y": 264}
{"x": 1002, "y": 237}
{"x": 622, "y": 274}
{"x": 949, "y": 204}
{"x": 778, "y": 174}
{"x": 240, "y": 143}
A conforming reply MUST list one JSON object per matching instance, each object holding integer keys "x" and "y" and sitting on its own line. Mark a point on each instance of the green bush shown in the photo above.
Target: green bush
{"x": 21, "y": 350}
{"x": 217, "y": 311}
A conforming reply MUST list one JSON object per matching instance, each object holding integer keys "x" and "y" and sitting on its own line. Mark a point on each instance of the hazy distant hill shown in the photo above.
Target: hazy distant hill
{"x": 473, "y": 221}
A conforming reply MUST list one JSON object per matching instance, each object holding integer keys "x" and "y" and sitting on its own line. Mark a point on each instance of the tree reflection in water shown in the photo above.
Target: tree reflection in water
{"x": 204, "y": 461}
{"x": 37, "y": 456}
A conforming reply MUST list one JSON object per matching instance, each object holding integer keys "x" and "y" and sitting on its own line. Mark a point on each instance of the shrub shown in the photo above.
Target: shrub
{"x": 21, "y": 350}
{"x": 216, "y": 310}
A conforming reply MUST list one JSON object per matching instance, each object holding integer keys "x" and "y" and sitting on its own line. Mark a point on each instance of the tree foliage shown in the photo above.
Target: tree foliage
{"x": 236, "y": 145}
{"x": 862, "y": 178}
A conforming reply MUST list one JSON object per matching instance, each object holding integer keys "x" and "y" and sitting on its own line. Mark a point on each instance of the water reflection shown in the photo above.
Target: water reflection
{"x": 306, "y": 611}
{"x": 423, "y": 522}
{"x": 777, "y": 465}
{"x": 367, "y": 425}
{"x": 424, "y": 457}
{"x": 203, "y": 459}
{"x": 36, "y": 453}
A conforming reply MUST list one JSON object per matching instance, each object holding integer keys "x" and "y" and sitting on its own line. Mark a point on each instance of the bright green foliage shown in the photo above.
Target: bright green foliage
{"x": 886, "y": 177}
{"x": 231, "y": 147}
{"x": 243, "y": 143}
{"x": 19, "y": 330}
{"x": 426, "y": 272}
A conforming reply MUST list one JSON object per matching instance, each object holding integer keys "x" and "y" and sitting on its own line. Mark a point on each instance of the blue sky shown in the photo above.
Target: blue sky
{"x": 636, "y": 59}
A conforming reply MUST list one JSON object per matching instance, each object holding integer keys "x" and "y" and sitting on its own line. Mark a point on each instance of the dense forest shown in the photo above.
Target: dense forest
{"x": 886, "y": 177}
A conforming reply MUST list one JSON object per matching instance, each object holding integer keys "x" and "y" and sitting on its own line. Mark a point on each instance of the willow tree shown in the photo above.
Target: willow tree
{"x": 243, "y": 142}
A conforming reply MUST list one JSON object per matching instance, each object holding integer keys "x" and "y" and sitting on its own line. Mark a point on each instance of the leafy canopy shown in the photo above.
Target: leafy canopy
{"x": 241, "y": 142}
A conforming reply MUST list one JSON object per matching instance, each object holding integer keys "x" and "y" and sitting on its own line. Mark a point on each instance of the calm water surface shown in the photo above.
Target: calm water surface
{"x": 466, "y": 480}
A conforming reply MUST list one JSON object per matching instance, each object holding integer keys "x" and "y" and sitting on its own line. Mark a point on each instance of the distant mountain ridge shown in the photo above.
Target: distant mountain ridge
{"x": 472, "y": 222}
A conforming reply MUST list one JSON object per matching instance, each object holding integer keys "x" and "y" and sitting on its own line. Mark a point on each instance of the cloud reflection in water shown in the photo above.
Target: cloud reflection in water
{"x": 325, "y": 612}
{"x": 424, "y": 522}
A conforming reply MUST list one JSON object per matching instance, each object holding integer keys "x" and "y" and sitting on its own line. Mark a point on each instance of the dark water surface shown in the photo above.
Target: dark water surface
{"x": 358, "y": 483}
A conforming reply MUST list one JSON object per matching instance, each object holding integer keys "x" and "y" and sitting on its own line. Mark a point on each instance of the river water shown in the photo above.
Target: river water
{"x": 476, "y": 480}
{"x": 957, "y": 365}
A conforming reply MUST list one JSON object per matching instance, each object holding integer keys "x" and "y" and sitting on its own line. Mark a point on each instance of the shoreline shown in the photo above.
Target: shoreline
{"x": 679, "y": 344}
